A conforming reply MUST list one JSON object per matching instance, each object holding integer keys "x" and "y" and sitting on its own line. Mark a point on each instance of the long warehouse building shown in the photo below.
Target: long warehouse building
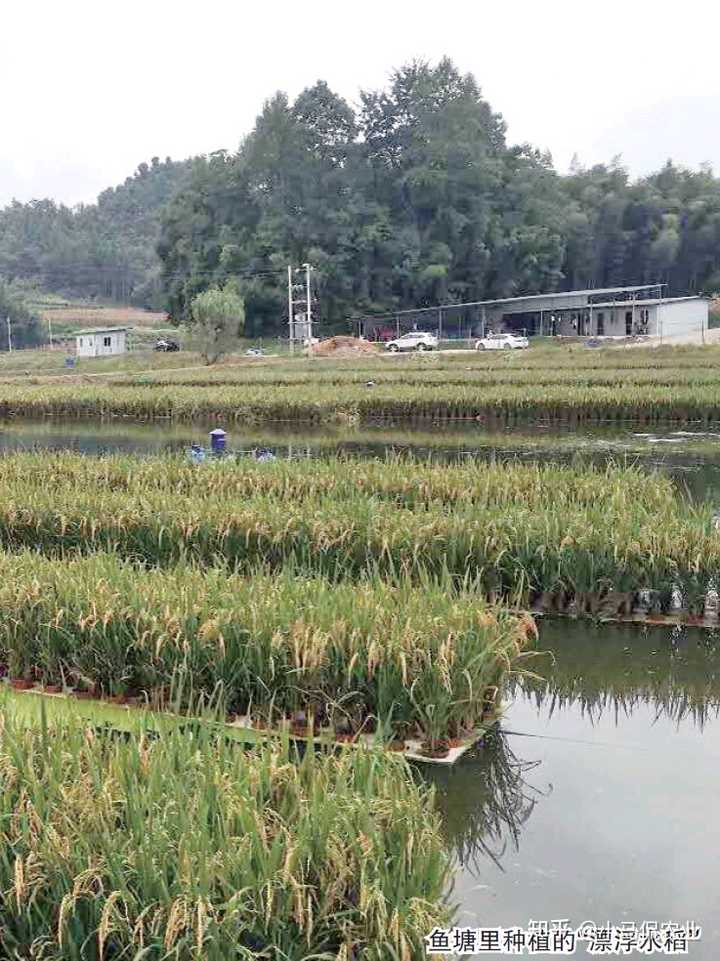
{"x": 600, "y": 312}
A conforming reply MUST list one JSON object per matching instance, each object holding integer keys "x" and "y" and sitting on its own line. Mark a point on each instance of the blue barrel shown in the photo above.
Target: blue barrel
{"x": 217, "y": 440}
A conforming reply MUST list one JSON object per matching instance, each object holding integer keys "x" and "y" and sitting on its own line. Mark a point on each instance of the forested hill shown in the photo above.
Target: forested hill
{"x": 104, "y": 250}
{"x": 412, "y": 198}
{"x": 416, "y": 199}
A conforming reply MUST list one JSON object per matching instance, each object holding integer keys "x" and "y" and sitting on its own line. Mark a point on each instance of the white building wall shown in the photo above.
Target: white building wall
{"x": 671, "y": 318}
{"x": 682, "y": 317}
{"x": 613, "y": 321}
{"x": 101, "y": 344}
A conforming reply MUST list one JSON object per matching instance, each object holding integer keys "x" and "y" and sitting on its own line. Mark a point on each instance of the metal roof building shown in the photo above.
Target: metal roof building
{"x": 596, "y": 312}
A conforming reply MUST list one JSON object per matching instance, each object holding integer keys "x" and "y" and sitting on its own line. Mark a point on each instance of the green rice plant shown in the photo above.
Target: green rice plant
{"x": 186, "y": 847}
{"x": 520, "y": 532}
{"x": 396, "y": 479}
{"x": 270, "y": 645}
{"x": 585, "y": 401}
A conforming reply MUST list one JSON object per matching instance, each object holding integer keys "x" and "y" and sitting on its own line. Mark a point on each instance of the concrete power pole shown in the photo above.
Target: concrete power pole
{"x": 9, "y": 327}
{"x": 291, "y": 308}
{"x": 308, "y": 268}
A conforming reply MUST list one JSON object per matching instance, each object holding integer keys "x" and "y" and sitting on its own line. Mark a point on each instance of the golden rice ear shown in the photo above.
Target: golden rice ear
{"x": 528, "y": 626}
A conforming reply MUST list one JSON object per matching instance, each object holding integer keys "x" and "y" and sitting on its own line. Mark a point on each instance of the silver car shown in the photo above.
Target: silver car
{"x": 414, "y": 340}
{"x": 502, "y": 342}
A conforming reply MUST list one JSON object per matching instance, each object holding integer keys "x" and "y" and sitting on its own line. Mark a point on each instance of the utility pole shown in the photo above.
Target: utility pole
{"x": 291, "y": 315}
{"x": 9, "y": 327}
{"x": 50, "y": 329}
{"x": 293, "y": 302}
{"x": 308, "y": 268}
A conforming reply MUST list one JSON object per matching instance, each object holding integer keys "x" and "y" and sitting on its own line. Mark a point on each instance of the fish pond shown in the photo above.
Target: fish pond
{"x": 590, "y": 801}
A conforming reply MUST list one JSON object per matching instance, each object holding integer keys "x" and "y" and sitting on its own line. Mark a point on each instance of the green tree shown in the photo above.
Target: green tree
{"x": 104, "y": 250}
{"x": 24, "y": 323}
{"x": 416, "y": 199}
{"x": 218, "y": 320}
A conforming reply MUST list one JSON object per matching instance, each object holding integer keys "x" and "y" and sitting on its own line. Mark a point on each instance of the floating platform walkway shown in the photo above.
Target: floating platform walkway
{"x": 34, "y": 706}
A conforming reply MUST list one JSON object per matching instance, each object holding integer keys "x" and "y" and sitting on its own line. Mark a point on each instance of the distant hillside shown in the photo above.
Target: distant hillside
{"x": 104, "y": 250}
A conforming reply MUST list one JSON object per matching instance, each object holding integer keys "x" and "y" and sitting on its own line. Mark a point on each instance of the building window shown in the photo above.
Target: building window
{"x": 79, "y": 341}
{"x": 601, "y": 323}
{"x": 107, "y": 341}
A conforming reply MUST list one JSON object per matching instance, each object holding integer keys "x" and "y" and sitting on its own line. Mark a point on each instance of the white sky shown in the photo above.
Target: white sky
{"x": 90, "y": 88}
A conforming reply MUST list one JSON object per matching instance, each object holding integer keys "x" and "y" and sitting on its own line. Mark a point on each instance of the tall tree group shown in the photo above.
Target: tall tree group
{"x": 411, "y": 199}
{"x": 417, "y": 199}
{"x": 104, "y": 250}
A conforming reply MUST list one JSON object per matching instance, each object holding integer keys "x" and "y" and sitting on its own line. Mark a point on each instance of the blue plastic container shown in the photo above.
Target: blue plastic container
{"x": 217, "y": 440}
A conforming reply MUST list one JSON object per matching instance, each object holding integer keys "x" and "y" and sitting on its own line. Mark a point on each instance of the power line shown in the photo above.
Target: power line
{"x": 128, "y": 276}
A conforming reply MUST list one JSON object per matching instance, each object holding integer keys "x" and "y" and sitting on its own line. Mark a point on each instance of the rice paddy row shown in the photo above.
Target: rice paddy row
{"x": 402, "y": 481}
{"x": 475, "y": 376}
{"x": 540, "y": 361}
{"x": 402, "y": 661}
{"x": 328, "y": 403}
{"x": 564, "y": 538}
{"x": 186, "y": 847}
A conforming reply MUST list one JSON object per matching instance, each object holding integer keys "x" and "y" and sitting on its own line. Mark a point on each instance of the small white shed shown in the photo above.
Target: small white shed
{"x": 101, "y": 342}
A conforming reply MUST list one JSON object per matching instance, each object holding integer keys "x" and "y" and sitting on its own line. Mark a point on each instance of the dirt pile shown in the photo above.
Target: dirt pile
{"x": 342, "y": 346}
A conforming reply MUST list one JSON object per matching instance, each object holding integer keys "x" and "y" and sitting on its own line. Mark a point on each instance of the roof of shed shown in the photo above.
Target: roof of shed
{"x": 100, "y": 330}
{"x": 647, "y": 302}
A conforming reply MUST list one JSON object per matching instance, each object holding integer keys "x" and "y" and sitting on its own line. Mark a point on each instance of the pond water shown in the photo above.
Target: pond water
{"x": 594, "y": 800}
{"x": 691, "y": 457}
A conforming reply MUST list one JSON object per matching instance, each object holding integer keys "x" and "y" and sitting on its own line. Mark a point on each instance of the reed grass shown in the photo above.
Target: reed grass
{"x": 410, "y": 660}
{"x": 187, "y": 848}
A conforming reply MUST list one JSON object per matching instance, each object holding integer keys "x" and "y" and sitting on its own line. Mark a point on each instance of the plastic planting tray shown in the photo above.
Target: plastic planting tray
{"x": 30, "y": 706}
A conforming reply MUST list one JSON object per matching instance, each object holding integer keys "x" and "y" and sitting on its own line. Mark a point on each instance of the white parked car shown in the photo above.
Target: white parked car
{"x": 415, "y": 340}
{"x": 502, "y": 342}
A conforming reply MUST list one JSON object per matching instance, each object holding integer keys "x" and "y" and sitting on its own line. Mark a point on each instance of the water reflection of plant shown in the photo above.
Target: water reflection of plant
{"x": 599, "y": 669}
{"x": 485, "y": 802}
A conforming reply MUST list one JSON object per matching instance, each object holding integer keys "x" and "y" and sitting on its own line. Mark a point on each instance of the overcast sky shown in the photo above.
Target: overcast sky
{"x": 90, "y": 88}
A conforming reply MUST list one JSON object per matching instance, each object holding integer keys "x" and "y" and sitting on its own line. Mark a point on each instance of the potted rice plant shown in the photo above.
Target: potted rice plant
{"x": 20, "y": 670}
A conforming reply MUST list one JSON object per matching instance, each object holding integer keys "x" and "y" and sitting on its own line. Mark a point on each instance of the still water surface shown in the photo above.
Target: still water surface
{"x": 595, "y": 801}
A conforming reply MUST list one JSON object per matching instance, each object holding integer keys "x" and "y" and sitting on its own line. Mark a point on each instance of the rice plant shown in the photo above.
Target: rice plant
{"x": 554, "y": 536}
{"x": 582, "y": 402}
{"x": 413, "y": 660}
{"x": 186, "y": 848}
{"x": 400, "y": 480}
